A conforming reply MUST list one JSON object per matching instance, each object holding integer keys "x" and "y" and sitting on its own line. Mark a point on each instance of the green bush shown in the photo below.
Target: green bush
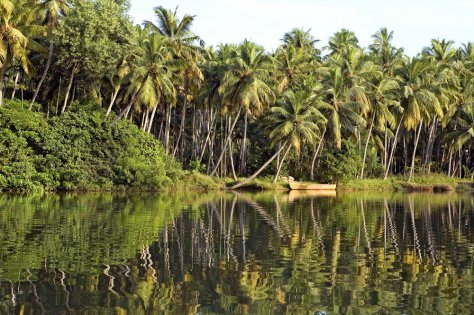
{"x": 345, "y": 164}
{"x": 79, "y": 150}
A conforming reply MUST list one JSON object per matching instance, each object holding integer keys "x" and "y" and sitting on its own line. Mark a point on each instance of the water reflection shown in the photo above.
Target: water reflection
{"x": 237, "y": 253}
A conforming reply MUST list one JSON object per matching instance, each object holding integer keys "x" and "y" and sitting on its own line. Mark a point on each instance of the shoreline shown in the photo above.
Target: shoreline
{"x": 196, "y": 182}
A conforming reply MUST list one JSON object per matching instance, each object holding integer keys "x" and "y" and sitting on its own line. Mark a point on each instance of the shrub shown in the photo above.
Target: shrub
{"x": 345, "y": 164}
{"x": 78, "y": 151}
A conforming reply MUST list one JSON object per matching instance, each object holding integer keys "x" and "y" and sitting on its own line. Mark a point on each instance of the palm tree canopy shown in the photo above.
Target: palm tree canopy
{"x": 296, "y": 119}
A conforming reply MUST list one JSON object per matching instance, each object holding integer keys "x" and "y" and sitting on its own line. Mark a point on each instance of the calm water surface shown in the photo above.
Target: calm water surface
{"x": 227, "y": 253}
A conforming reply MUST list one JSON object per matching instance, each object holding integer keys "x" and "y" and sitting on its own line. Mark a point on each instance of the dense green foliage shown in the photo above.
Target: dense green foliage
{"x": 78, "y": 150}
{"x": 331, "y": 114}
{"x": 342, "y": 165}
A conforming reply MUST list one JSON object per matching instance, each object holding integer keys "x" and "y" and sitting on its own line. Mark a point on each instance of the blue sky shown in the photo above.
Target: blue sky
{"x": 415, "y": 22}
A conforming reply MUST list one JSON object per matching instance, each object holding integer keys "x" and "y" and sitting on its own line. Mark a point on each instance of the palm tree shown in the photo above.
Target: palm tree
{"x": 390, "y": 61}
{"x": 344, "y": 91}
{"x": 210, "y": 101}
{"x": 341, "y": 41}
{"x": 51, "y": 11}
{"x": 292, "y": 122}
{"x": 384, "y": 54}
{"x": 463, "y": 131}
{"x": 152, "y": 75}
{"x": 384, "y": 96}
{"x": 246, "y": 86}
{"x": 301, "y": 40}
{"x": 293, "y": 65}
{"x": 16, "y": 37}
{"x": 179, "y": 35}
{"x": 419, "y": 100}
{"x": 116, "y": 80}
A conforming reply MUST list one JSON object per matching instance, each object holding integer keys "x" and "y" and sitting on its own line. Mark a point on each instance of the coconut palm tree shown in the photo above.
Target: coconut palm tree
{"x": 462, "y": 132}
{"x": 51, "y": 12}
{"x": 419, "y": 101}
{"x": 152, "y": 76}
{"x": 246, "y": 87}
{"x": 384, "y": 95}
{"x": 293, "y": 65}
{"x": 293, "y": 121}
{"x": 384, "y": 54}
{"x": 390, "y": 61}
{"x": 344, "y": 90}
{"x": 445, "y": 85}
{"x": 178, "y": 32}
{"x": 17, "y": 32}
{"x": 301, "y": 40}
{"x": 341, "y": 41}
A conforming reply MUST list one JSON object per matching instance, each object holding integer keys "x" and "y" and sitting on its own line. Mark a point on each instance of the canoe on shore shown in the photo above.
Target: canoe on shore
{"x": 311, "y": 186}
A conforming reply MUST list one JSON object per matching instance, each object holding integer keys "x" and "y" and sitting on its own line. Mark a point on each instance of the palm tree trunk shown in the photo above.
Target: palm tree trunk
{"x": 392, "y": 151}
{"x": 183, "y": 119}
{"x": 145, "y": 119}
{"x": 316, "y": 153}
{"x": 45, "y": 72}
{"x": 385, "y": 145}
{"x": 2, "y": 81}
{"x": 112, "y": 100}
{"x": 167, "y": 127}
{"x": 243, "y": 165}
{"x": 219, "y": 161}
{"x": 260, "y": 169}
{"x": 135, "y": 96}
{"x": 232, "y": 162}
{"x": 281, "y": 164}
{"x": 152, "y": 117}
{"x": 417, "y": 138}
{"x": 66, "y": 98}
{"x": 211, "y": 123}
{"x": 367, "y": 146}
{"x": 15, "y": 84}
{"x": 430, "y": 145}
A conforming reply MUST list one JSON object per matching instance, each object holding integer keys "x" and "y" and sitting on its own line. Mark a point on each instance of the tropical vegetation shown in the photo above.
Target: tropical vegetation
{"x": 236, "y": 109}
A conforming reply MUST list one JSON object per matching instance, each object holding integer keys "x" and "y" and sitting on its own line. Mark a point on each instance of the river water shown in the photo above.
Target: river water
{"x": 242, "y": 253}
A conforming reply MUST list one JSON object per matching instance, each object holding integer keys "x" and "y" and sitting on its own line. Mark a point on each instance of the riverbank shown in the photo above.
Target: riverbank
{"x": 420, "y": 183}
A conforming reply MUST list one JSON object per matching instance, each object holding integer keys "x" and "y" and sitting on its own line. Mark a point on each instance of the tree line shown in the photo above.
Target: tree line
{"x": 236, "y": 110}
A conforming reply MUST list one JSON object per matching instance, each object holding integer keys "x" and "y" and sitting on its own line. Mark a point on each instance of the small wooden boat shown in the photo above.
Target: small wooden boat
{"x": 311, "y": 186}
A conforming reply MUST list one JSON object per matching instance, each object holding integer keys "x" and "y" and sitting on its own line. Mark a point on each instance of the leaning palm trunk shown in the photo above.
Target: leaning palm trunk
{"x": 281, "y": 164}
{"x": 226, "y": 143}
{"x": 417, "y": 138}
{"x": 112, "y": 100}
{"x": 45, "y": 72}
{"x": 366, "y": 147}
{"x": 134, "y": 98}
{"x": 66, "y": 98}
{"x": 260, "y": 169}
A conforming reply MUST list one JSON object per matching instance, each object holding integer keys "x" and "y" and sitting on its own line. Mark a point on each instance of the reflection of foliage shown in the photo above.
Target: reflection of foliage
{"x": 256, "y": 254}
{"x": 89, "y": 230}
